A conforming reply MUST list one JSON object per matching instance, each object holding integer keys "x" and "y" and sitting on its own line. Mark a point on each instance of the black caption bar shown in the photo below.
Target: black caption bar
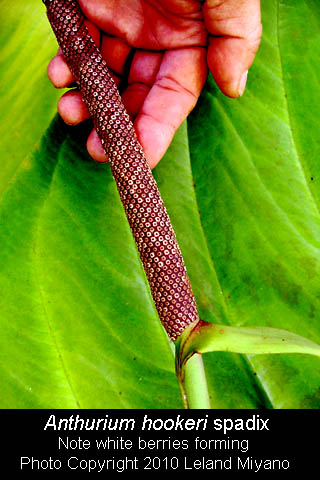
{"x": 147, "y": 441}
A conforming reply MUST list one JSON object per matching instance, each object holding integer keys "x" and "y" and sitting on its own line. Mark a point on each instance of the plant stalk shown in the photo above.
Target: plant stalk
{"x": 193, "y": 384}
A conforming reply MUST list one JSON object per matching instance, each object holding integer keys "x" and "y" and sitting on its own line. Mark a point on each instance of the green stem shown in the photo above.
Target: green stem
{"x": 193, "y": 385}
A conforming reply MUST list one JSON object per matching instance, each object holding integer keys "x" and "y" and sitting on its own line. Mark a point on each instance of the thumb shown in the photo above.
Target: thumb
{"x": 235, "y": 30}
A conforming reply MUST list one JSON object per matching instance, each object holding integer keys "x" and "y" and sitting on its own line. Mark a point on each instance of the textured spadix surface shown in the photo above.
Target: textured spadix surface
{"x": 78, "y": 326}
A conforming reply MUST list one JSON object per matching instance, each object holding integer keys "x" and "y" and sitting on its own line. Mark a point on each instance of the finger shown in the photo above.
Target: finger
{"x": 144, "y": 68}
{"x": 174, "y": 94}
{"x": 115, "y": 52}
{"x": 235, "y": 28}
{"x": 58, "y": 71}
{"x": 95, "y": 148}
{"x": 72, "y": 108}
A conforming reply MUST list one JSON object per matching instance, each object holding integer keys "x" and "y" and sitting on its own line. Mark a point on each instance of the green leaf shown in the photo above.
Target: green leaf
{"x": 241, "y": 184}
{"x": 77, "y": 306}
{"x": 256, "y": 170}
{"x": 27, "y": 45}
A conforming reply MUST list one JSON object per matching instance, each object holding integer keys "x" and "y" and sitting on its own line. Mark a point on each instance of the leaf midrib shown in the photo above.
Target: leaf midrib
{"x": 41, "y": 293}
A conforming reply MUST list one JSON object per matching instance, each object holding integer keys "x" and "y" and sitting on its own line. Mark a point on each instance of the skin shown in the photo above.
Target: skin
{"x": 159, "y": 54}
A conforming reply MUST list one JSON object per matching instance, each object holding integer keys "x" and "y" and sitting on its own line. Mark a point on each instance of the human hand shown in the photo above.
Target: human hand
{"x": 169, "y": 46}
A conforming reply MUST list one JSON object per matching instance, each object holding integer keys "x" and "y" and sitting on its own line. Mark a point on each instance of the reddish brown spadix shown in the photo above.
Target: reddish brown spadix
{"x": 146, "y": 213}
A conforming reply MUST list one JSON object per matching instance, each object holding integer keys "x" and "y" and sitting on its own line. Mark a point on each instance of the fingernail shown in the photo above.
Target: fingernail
{"x": 242, "y": 83}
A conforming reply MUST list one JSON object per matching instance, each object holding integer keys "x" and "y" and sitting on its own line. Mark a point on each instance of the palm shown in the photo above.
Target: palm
{"x": 149, "y": 24}
{"x": 159, "y": 52}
